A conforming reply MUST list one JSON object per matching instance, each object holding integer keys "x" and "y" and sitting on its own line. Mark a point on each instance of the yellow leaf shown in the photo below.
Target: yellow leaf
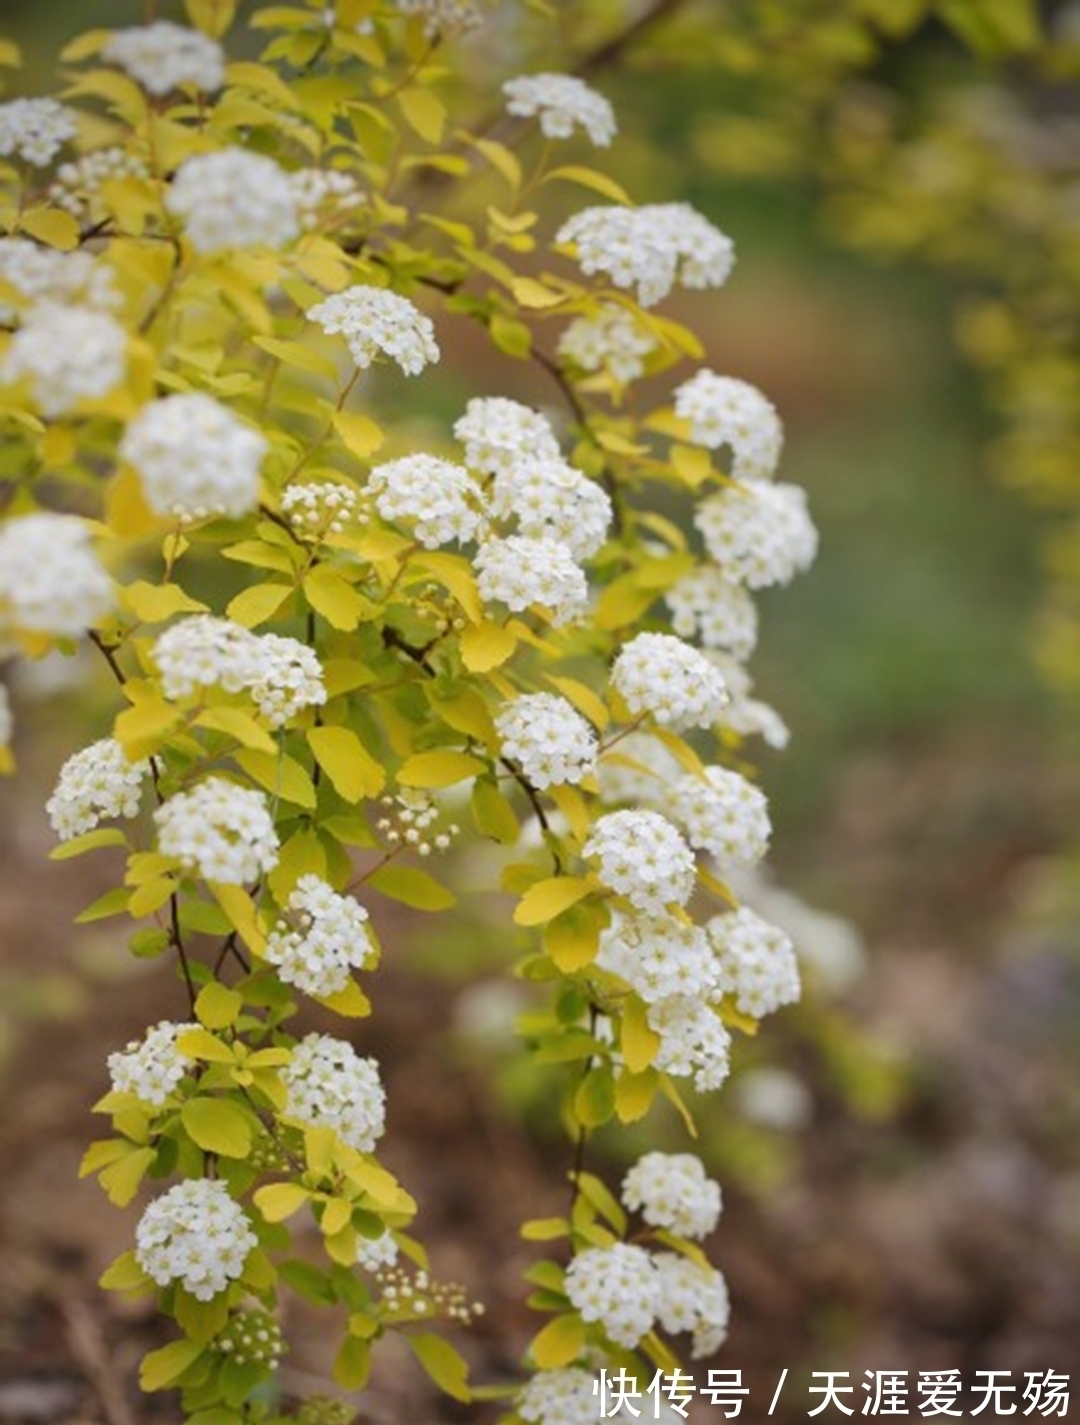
{"x": 213, "y": 17}
{"x": 499, "y": 156}
{"x": 335, "y": 598}
{"x": 154, "y": 603}
{"x": 456, "y": 575}
{"x": 549, "y": 898}
{"x": 140, "y": 728}
{"x": 424, "y": 113}
{"x": 590, "y": 178}
{"x": 583, "y": 698}
{"x": 572, "y": 805}
{"x": 217, "y": 1006}
{"x": 241, "y": 726}
{"x": 692, "y": 464}
{"x": 199, "y": 1044}
{"x": 639, "y": 1043}
{"x": 360, "y": 433}
{"x": 280, "y": 775}
{"x": 634, "y": 1094}
{"x": 121, "y": 1179}
{"x": 240, "y": 908}
{"x": 559, "y": 1343}
{"x": 439, "y": 769}
{"x": 351, "y": 1002}
{"x": 52, "y": 226}
{"x": 530, "y": 293}
{"x": 297, "y": 355}
{"x": 411, "y": 886}
{"x": 545, "y": 1229}
{"x": 353, "y": 771}
{"x": 280, "y": 1200}
{"x": 492, "y": 814}
{"x": 485, "y": 646}
{"x": 164, "y": 1367}
{"x": 254, "y": 606}
{"x": 217, "y": 1126}
{"x": 572, "y": 938}
{"x": 126, "y": 511}
{"x": 442, "y": 1363}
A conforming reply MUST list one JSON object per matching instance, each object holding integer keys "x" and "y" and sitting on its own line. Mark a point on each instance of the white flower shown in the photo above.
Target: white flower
{"x": 693, "y": 1041}
{"x": 616, "y": 1286}
{"x": 322, "y": 937}
{"x": 497, "y": 432}
{"x": 328, "y": 1085}
{"x": 560, "y": 1397}
{"x": 232, "y": 199}
{"x": 205, "y": 652}
{"x": 756, "y": 961}
{"x": 441, "y": 16}
{"x": 372, "y": 1253}
{"x": 50, "y": 578}
{"x": 94, "y": 784}
{"x": 723, "y": 814}
{"x": 323, "y": 194}
{"x": 78, "y": 185}
{"x": 151, "y": 1068}
{"x": 659, "y": 674}
{"x": 321, "y": 507}
{"x": 35, "y": 129}
{"x": 68, "y": 355}
{"x": 163, "y": 57}
{"x": 287, "y": 677}
{"x": 650, "y": 248}
{"x": 721, "y": 613}
{"x": 758, "y": 534}
{"x": 561, "y": 102}
{"x": 744, "y": 715}
{"x": 437, "y": 500}
{"x": 692, "y": 1298}
{"x": 548, "y": 738}
{"x": 197, "y": 1235}
{"x": 43, "y": 272}
{"x": 724, "y": 411}
{"x": 194, "y": 457}
{"x": 373, "y": 320}
{"x": 551, "y": 500}
{"x": 219, "y": 831}
{"x": 612, "y": 338}
{"x": 672, "y": 1190}
{"x": 519, "y": 571}
{"x": 639, "y": 769}
{"x": 642, "y": 857}
{"x": 658, "y": 956}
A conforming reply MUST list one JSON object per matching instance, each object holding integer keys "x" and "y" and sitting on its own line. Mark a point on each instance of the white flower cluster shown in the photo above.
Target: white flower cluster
{"x": 745, "y": 715}
{"x": 658, "y": 956}
{"x": 616, "y": 1286}
{"x": 151, "y": 1068}
{"x": 321, "y": 938}
{"x": 414, "y": 813}
{"x": 724, "y": 411}
{"x": 560, "y": 1397}
{"x": 692, "y": 1298}
{"x": 722, "y": 614}
{"x": 639, "y": 768}
{"x": 50, "y": 578}
{"x": 551, "y": 500}
{"x": 758, "y": 534}
{"x": 78, "y": 185}
{"x": 163, "y": 57}
{"x": 694, "y": 1042}
{"x": 320, "y": 507}
{"x": 219, "y": 831}
{"x": 672, "y": 1190}
{"x": 612, "y": 339}
{"x": 94, "y": 784}
{"x": 329, "y": 1085}
{"x": 43, "y": 272}
{"x": 756, "y": 960}
{"x": 723, "y": 814}
{"x": 35, "y": 130}
{"x": 252, "y": 1338}
{"x": 519, "y": 571}
{"x": 232, "y": 199}
{"x": 374, "y": 1253}
{"x": 195, "y": 1234}
{"x": 373, "y": 320}
{"x": 437, "y": 500}
{"x": 288, "y": 677}
{"x": 323, "y": 194}
{"x": 650, "y": 248}
{"x": 642, "y": 857}
{"x": 67, "y": 354}
{"x": 498, "y": 433}
{"x": 561, "y": 102}
{"x": 659, "y": 674}
{"x": 194, "y": 457}
{"x": 548, "y": 738}
{"x": 443, "y": 16}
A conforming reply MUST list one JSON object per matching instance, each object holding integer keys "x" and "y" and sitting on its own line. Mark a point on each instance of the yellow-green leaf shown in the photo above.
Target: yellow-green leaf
{"x": 217, "y": 1126}
{"x": 411, "y": 886}
{"x": 360, "y": 433}
{"x": 355, "y": 774}
{"x": 492, "y": 814}
{"x": 442, "y": 1363}
{"x": 242, "y": 913}
{"x": 217, "y": 1006}
{"x": 154, "y": 603}
{"x": 530, "y": 293}
{"x": 439, "y": 769}
{"x": 124, "y": 1274}
{"x": 164, "y": 1367}
{"x": 485, "y": 646}
{"x": 594, "y": 1101}
{"x": 335, "y": 598}
{"x": 240, "y": 726}
{"x": 549, "y": 898}
{"x": 424, "y": 112}
{"x": 634, "y": 1094}
{"x": 281, "y": 775}
{"x": 591, "y": 179}
{"x": 296, "y": 354}
{"x": 559, "y": 1343}
{"x": 88, "y": 841}
{"x": 639, "y": 1043}
{"x": 351, "y": 1002}
{"x": 52, "y": 226}
{"x": 199, "y": 1044}
{"x": 121, "y": 1179}
{"x": 254, "y": 606}
{"x": 583, "y": 698}
{"x": 278, "y": 1201}
{"x": 572, "y": 938}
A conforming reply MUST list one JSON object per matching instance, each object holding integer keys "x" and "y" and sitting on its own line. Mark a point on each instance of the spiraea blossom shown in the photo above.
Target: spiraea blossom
{"x": 443, "y": 16}
{"x": 195, "y": 1234}
{"x": 723, "y": 411}
{"x": 35, "y": 130}
{"x": 551, "y": 500}
{"x": 618, "y": 1287}
{"x": 375, "y": 1253}
{"x": 205, "y": 652}
{"x": 287, "y": 677}
{"x": 758, "y": 534}
{"x": 519, "y": 572}
{"x": 548, "y": 738}
{"x": 561, "y": 102}
{"x": 642, "y": 857}
{"x": 317, "y": 508}
{"x": 50, "y": 577}
{"x": 693, "y": 1298}
{"x": 37, "y": 273}
{"x": 650, "y": 248}
{"x": 756, "y": 960}
{"x": 439, "y": 502}
{"x": 374, "y": 320}
{"x": 658, "y": 956}
{"x": 77, "y": 187}
{"x": 322, "y": 937}
{"x": 498, "y": 433}
{"x": 67, "y": 355}
{"x": 232, "y": 199}
{"x": 329, "y": 1085}
{"x": 559, "y": 1397}
{"x": 151, "y": 1067}
{"x": 724, "y": 814}
{"x": 163, "y": 57}
{"x": 673, "y": 1190}
{"x": 219, "y": 831}
{"x": 746, "y": 715}
{"x": 194, "y": 457}
{"x": 612, "y": 339}
{"x": 638, "y": 769}
{"x": 324, "y": 194}
{"x": 95, "y": 784}
{"x": 694, "y": 1043}
{"x": 722, "y": 614}
{"x": 659, "y": 674}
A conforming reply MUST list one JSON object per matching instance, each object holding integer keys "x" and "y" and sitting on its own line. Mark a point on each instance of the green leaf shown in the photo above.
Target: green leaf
{"x": 559, "y": 1343}
{"x": 281, "y": 775}
{"x": 439, "y": 769}
{"x": 352, "y": 1364}
{"x": 240, "y": 726}
{"x": 355, "y": 774}
{"x": 113, "y": 902}
{"x": 442, "y": 1363}
{"x": 591, "y": 179}
{"x": 201, "y": 1320}
{"x": 217, "y": 1126}
{"x": 217, "y": 1006}
{"x": 545, "y": 1229}
{"x": 89, "y": 841}
{"x": 549, "y": 898}
{"x": 424, "y": 112}
{"x": 164, "y": 1367}
{"x": 411, "y": 886}
{"x": 124, "y": 1274}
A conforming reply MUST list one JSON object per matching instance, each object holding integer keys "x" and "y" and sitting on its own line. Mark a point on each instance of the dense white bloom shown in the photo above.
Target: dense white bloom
{"x": 497, "y": 432}
{"x": 757, "y": 962}
{"x": 519, "y": 571}
{"x": 613, "y": 339}
{"x": 321, "y": 507}
{"x": 673, "y": 1190}
{"x": 441, "y": 16}
{"x": 35, "y": 129}
{"x": 744, "y": 715}
{"x": 650, "y": 248}
{"x": 692, "y": 1298}
{"x": 163, "y": 56}
{"x": 659, "y": 674}
{"x": 205, "y": 652}
{"x": 194, "y": 1234}
{"x": 94, "y": 784}
{"x": 616, "y": 1286}
{"x": 658, "y": 956}
{"x": 151, "y": 1068}
{"x": 721, "y": 613}
{"x": 723, "y": 814}
{"x": 693, "y": 1041}
{"x": 43, "y": 272}
{"x": 548, "y": 738}
{"x": 194, "y": 457}
{"x": 560, "y": 1397}
{"x": 50, "y": 578}
{"x": 551, "y": 500}
{"x": 329, "y": 1085}
{"x": 639, "y": 768}
{"x": 724, "y": 411}
{"x": 219, "y": 831}
{"x": 758, "y": 534}
{"x": 78, "y": 185}
{"x": 324, "y": 193}
{"x": 561, "y": 102}
{"x": 373, "y": 320}
{"x": 7, "y": 721}
{"x": 287, "y": 677}
{"x": 437, "y": 500}
{"x": 321, "y": 938}
{"x": 233, "y": 198}
{"x": 773, "y": 1098}
{"x": 68, "y": 355}
{"x": 372, "y": 1253}
{"x": 642, "y": 857}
